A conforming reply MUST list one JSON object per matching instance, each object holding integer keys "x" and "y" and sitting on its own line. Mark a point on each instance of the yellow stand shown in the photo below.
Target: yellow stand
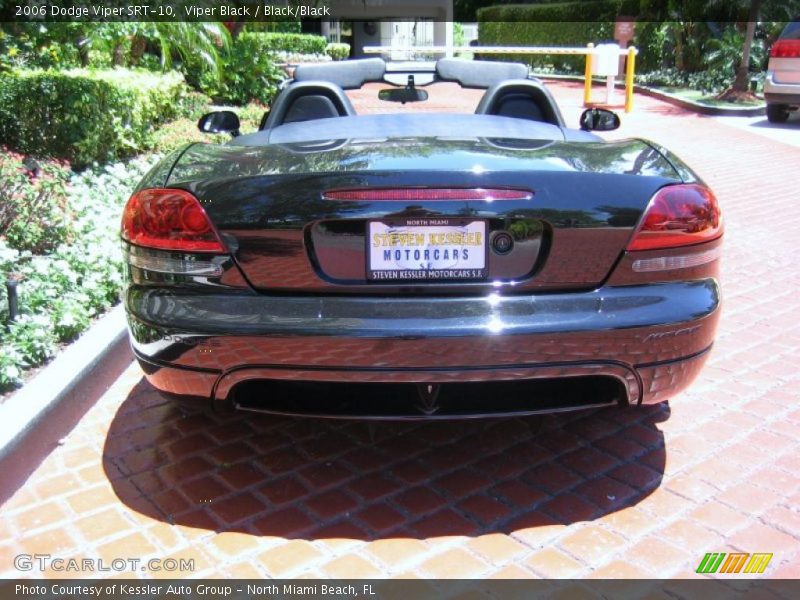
{"x": 629, "y": 67}
{"x": 587, "y": 85}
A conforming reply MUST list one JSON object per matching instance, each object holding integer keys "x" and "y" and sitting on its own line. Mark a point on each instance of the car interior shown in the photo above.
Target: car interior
{"x": 317, "y": 90}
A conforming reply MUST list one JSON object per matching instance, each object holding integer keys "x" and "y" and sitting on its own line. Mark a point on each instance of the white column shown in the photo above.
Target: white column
{"x": 443, "y": 35}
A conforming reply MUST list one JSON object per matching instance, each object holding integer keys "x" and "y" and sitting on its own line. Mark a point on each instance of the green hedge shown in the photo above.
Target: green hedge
{"x": 294, "y": 43}
{"x": 89, "y": 116}
{"x": 560, "y": 24}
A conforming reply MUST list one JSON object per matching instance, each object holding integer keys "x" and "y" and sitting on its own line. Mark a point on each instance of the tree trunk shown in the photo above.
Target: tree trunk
{"x": 677, "y": 36}
{"x": 119, "y": 55}
{"x": 82, "y": 44}
{"x": 138, "y": 46}
{"x": 742, "y": 81}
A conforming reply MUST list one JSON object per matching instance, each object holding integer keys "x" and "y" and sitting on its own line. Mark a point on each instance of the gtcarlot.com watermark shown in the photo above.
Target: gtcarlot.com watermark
{"x": 46, "y": 562}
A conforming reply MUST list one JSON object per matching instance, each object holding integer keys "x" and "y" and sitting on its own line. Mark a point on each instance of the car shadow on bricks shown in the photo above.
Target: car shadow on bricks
{"x": 314, "y": 479}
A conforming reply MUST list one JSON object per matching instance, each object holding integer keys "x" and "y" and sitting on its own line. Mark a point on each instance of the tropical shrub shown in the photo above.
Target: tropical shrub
{"x": 41, "y": 45}
{"x": 276, "y": 26}
{"x": 250, "y": 71}
{"x": 61, "y": 292}
{"x": 711, "y": 81}
{"x": 338, "y": 51}
{"x": 724, "y": 53}
{"x": 33, "y": 208}
{"x": 143, "y": 44}
{"x": 88, "y": 116}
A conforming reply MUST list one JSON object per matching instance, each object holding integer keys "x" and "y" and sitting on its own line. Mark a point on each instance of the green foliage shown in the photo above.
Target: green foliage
{"x": 250, "y": 69}
{"x": 203, "y": 42}
{"x": 180, "y": 132}
{"x": 725, "y": 52}
{"x": 147, "y": 44}
{"x": 711, "y": 81}
{"x": 276, "y": 26}
{"x": 559, "y": 24}
{"x": 293, "y": 43}
{"x": 41, "y": 45}
{"x": 690, "y": 10}
{"x": 458, "y": 34}
{"x": 685, "y": 44}
{"x": 250, "y": 72}
{"x": 61, "y": 292}
{"x": 338, "y": 51}
{"x": 465, "y": 10}
{"x": 652, "y": 41}
{"x": 708, "y": 52}
{"x": 88, "y": 116}
{"x": 33, "y": 211}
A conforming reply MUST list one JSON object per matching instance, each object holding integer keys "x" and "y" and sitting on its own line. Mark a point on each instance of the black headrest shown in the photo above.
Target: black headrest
{"x": 308, "y": 108}
{"x": 515, "y": 89}
{"x": 347, "y": 74}
{"x": 478, "y": 73}
{"x": 325, "y": 96}
{"x": 519, "y": 106}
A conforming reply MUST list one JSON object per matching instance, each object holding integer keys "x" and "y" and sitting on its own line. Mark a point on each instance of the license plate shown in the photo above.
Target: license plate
{"x": 426, "y": 248}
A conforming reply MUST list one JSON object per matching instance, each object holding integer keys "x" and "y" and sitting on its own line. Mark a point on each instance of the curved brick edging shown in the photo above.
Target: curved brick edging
{"x": 703, "y": 109}
{"x": 45, "y": 409}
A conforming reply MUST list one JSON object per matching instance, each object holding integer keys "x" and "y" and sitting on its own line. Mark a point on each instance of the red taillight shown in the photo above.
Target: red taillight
{"x": 425, "y": 194}
{"x": 169, "y": 220}
{"x": 678, "y": 215}
{"x": 785, "y": 49}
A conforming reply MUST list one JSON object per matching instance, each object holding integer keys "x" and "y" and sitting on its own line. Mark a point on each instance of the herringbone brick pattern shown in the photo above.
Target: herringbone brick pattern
{"x": 610, "y": 493}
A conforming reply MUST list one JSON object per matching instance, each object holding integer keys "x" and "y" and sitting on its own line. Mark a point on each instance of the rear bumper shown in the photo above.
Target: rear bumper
{"x": 781, "y": 93}
{"x": 651, "y": 338}
{"x": 778, "y": 98}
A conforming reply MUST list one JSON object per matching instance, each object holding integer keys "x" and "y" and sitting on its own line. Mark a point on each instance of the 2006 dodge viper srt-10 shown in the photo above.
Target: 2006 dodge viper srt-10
{"x": 417, "y": 264}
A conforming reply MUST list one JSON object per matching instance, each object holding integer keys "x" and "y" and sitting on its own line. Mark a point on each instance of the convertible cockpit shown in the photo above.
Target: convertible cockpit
{"x": 317, "y": 91}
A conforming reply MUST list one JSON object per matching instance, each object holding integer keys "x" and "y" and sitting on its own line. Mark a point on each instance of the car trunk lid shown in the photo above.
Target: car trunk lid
{"x": 358, "y": 217}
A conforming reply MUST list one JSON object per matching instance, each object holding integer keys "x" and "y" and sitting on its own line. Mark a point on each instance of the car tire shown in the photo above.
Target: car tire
{"x": 777, "y": 113}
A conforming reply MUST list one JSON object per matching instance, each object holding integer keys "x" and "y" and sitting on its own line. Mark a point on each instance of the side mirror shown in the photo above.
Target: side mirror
{"x": 220, "y": 121}
{"x": 599, "y": 119}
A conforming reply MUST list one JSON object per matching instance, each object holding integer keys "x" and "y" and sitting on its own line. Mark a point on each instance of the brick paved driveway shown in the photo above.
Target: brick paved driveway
{"x": 608, "y": 493}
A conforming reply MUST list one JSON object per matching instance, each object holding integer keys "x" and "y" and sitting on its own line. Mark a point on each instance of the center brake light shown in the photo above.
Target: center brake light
{"x": 678, "y": 215}
{"x": 421, "y": 194}
{"x": 169, "y": 219}
{"x": 785, "y": 49}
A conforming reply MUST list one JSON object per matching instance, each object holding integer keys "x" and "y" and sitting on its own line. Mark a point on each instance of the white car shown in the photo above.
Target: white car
{"x": 782, "y": 85}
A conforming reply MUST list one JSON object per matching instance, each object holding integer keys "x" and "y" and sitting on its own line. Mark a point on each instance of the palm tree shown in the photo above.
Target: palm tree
{"x": 741, "y": 84}
{"x": 187, "y": 41}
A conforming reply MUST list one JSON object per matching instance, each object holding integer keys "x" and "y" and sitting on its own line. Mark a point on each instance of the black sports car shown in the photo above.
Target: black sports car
{"x": 482, "y": 264}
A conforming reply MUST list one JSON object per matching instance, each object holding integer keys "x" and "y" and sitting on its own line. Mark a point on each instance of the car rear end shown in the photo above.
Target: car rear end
{"x": 782, "y": 84}
{"x": 576, "y": 275}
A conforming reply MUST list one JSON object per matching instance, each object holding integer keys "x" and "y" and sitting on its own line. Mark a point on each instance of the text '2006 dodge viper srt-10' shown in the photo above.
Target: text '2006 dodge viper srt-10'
{"x": 420, "y": 265}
